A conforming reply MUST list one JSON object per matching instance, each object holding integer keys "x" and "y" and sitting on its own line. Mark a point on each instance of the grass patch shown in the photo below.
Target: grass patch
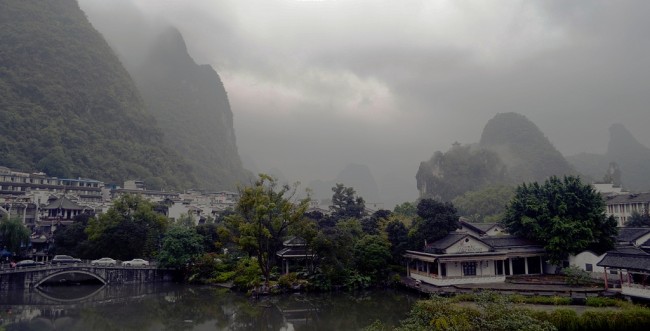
{"x": 606, "y": 302}
{"x": 517, "y": 299}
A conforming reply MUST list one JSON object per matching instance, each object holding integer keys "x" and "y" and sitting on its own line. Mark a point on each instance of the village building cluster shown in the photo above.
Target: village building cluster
{"x": 44, "y": 203}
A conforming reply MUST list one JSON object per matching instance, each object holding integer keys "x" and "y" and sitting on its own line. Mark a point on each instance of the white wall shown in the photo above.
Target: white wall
{"x": 587, "y": 257}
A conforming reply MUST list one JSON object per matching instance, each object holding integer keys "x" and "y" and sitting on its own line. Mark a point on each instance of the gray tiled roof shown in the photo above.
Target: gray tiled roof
{"x": 478, "y": 227}
{"x": 445, "y": 242}
{"x": 64, "y": 203}
{"x": 619, "y": 260}
{"x": 627, "y": 198}
{"x": 626, "y": 234}
{"x": 294, "y": 241}
{"x": 507, "y": 241}
{"x": 630, "y": 250}
{"x": 294, "y": 252}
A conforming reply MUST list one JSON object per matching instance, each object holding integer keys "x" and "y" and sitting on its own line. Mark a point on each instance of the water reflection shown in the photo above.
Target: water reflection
{"x": 175, "y": 307}
{"x": 70, "y": 294}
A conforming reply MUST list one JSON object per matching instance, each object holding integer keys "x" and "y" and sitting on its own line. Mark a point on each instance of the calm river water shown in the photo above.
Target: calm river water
{"x": 183, "y": 307}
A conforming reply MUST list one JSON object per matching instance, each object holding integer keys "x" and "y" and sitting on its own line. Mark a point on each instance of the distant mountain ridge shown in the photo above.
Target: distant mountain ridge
{"x": 188, "y": 100}
{"x": 68, "y": 106}
{"x": 527, "y": 153}
{"x": 632, "y": 158}
{"x": 357, "y": 176}
{"x": 512, "y": 150}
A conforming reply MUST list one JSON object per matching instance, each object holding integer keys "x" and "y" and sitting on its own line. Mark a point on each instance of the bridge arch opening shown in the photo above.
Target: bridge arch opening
{"x": 60, "y": 276}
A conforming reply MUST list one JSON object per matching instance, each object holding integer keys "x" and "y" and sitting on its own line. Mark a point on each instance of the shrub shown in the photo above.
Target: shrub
{"x": 605, "y": 302}
{"x": 288, "y": 280}
{"x": 542, "y": 300}
{"x": 576, "y": 276}
{"x": 247, "y": 273}
{"x": 564, "y": 319}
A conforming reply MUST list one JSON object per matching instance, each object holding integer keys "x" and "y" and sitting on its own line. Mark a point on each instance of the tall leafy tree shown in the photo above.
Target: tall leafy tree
{"x": 375, "y": 222}
{"x": 73, "y": 239}
{"x": 435, "y": 220}
{"x": 397, "y": 235}
{"x": 13, "y": 235}
{"x": 130, "y": 228}
{"x": 264, "y": 214}
{"x": 406, "y": 209}
{"x": 180, "y": 246}
{"x": 346, "y": 204}
{"x": 564, "y": 215}
{"x": 334, "y": 247}
{"x": 372, "y": 256}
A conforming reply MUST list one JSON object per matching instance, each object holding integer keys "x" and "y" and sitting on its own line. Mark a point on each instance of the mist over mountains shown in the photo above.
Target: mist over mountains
{"x": 630, "y": 156}
{"x": 188, "y": 100}
{"x": 130, "y": 102}
{"x": 67, "y": 105}
{"x": 512, "y": 150}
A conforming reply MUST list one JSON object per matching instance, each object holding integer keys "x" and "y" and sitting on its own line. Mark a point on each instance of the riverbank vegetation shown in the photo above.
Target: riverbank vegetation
{"x": 492, "y": 311}
{"x": 347, "y": 247}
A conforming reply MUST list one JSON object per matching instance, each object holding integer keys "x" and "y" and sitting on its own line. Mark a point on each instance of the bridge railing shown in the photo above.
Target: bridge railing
{"x": 7, "y": 268}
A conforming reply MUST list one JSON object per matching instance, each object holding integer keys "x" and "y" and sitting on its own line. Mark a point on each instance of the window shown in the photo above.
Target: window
{"x": 589, "y": 267}
{"x": 469, "y": 268}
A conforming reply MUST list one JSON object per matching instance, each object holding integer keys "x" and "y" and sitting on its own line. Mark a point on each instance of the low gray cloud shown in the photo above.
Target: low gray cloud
{"x": 315, "y": 85}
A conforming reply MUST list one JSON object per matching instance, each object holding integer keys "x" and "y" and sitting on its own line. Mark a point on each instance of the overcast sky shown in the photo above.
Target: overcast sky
{"x": 315, "y": 85}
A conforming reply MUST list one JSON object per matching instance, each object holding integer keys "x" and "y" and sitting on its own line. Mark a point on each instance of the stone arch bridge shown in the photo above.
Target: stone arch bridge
{"x": 19, "y": 278}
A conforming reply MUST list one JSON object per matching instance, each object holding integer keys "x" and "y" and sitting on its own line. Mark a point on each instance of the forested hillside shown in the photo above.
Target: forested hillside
{"x": 512, "y": 150}
{"x": 191, "y": 106}
{"x": 522, "y": 146}
{"x": 67, "y": 105}
{"x": 188, "y": 100}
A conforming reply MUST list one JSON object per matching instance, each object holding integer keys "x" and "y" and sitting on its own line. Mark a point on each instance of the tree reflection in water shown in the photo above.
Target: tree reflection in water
{"x": 177, "y": 307}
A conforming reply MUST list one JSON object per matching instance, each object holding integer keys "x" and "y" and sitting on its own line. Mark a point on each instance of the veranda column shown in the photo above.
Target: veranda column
{"x": 428, "y": 273}
{"x": 526, "y": 266}
{"x": 510, "y": 261}
{"x": 439, "y": 269}
{"x": 606, "y": 287}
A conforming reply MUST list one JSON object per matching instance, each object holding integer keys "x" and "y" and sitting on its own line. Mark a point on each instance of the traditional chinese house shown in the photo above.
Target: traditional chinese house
{"x": 462, "y": 257}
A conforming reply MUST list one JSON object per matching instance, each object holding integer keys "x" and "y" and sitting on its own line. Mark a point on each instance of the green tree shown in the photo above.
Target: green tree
{"x": 637, "y": 219}
{"x": 436, "y": 219}
{"x": 179, "y": 247}
{"x": 214, "y": 236}
{"x": 263, "y": 216}
{"x": 334, "y": 247}
{"x": 564, "y": 215}
{"x": 397, "y": 235}
{"x": 14, "y": 235}
{"x": 372, "y": 256}
{"x": 346, "y": 204}
{"x": 375, "y": 222}
{"x": 130, "y": 228}
{"x": 485, "y": 205}
{"x": 73, "y": 239}
{"x": 407, "y": 209}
